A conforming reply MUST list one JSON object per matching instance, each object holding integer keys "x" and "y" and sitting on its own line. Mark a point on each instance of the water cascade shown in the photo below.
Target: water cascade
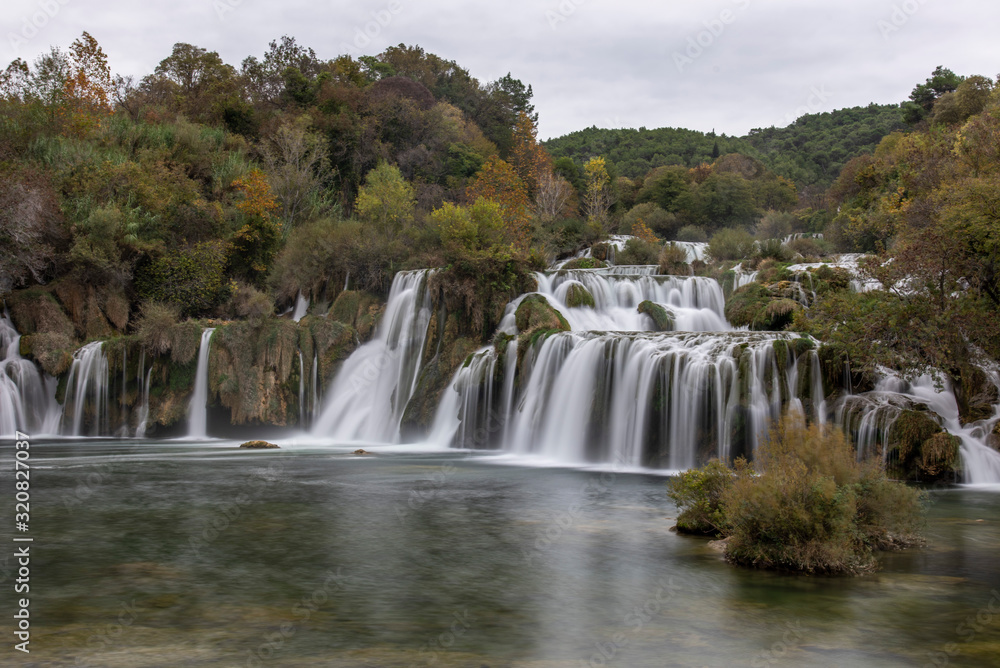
{"x": 301, "y": 307}
{"x": 27, "y": 399}
{"x": 85, "y": 410}
{"x": 143, "y": 414}
{"x": 367, "y": 397}
{"x": 198, "y": 408}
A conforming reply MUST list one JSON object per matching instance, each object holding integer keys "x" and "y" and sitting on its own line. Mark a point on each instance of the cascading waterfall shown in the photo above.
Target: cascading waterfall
{"x": 302, "y": 392}
{"x": 27, "y": 398}
{"x": 696, "y": 303}
{"x": 198, "y": 408}
{"x": 86, "y": 404}
{"x": 367, "y": 397}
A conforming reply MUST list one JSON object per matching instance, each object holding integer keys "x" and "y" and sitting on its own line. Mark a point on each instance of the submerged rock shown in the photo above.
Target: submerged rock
{"x": 258, "y": 445}
{"x": 359, "y": 451}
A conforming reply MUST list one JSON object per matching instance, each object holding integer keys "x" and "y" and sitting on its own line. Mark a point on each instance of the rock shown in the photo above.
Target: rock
{"x": 535, "y": 312}
{"x": 584, "y": 263}
{"x": 662, "y": 318}
{"x": 359, "y": 451}
{"x": 578, "y": 295}
{"x": 258, "y": 445}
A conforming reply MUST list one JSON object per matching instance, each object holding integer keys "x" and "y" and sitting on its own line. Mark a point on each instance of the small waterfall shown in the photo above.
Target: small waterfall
{"x": 27, "y": 398}
{"x": 301, "y": 307}
{"x": 198, "y": 408}
{"x": 695, "y": 249}
{"x": 314, "y": 387}
{"x": 367, "y": 398}
{"x": 302, "y": 392}
{"x": 143, "y": 414}
{"x": 87, "y": 392}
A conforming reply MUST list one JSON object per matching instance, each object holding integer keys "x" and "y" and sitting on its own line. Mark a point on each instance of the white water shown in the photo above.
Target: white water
{"x": 367, "y": 397}
{"x": 301, "y": 307}
{"x": 143, "y": 415}
{"x": 27, "y": 398}
{"x": 198, "y": 408}
{"x": 87, "y": 392}
{"x": 697, "y": 303}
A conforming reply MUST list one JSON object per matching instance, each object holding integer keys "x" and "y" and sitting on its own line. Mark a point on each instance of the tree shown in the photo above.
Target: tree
{"x": 88, "y": 88}
{"x": 554, "y": 196}
{"x": 498, "y": 182}
{"x": 386, "y": 200}
{"x": 598, "y": 198}
{"x": 527, "y": 157}
{"x": 924, "y": 95}
{"x": 256, "y": 242}
{"x": 193, "y": 81}
{"x": 296, "y": 164}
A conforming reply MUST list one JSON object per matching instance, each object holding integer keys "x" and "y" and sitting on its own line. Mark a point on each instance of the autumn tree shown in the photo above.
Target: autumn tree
{"x": 192, "y": 81}
{"x": 554, "y": 196}
{"x": 88, "y": 87}
{"x": 256, "y": 242}
{"x": 527, "y": 157}
{"x": 498, "y": 182}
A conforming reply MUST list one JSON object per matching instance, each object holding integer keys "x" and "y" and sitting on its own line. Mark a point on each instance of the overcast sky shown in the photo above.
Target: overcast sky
{"x": 728, "y": 65}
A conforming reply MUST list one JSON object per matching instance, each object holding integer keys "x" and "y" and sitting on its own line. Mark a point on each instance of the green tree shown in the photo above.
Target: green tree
{"x": 386, "y": 200}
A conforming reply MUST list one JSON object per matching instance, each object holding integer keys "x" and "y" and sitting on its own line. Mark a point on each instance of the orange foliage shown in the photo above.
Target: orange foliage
{"x": 498, "y": 182}
{"x": 87, "y": 90}
{"x": 527, "y": 157}
{"x": 258, "y": 200}
{"x": 641, "y": 231}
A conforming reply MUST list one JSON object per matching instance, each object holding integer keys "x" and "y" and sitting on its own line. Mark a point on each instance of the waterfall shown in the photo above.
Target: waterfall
{"x": 87, "y": 392}
{"x": 198, "y": 408}
{"x": 27, "y": 398}
{"x": 367, "y": 397}
{"x": 301, "y": 307}
{"x": 665, "y": 400}
{"x": 696, "y": 303}
{"x": 314, "y": 387}
{"x": 143, "y": 415}
{"x": 302, "y": 392}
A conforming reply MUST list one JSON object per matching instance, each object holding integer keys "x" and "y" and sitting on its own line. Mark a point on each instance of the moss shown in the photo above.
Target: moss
{"x": 359, "y": 310}
{"x": 758, "y": 307}
{"x": 578, "y": 296}
{"x": 909, "y": 431}
{"x": 939, "y": 456}
{"x": 584, "y": 263}
{"x": 600, "y": 251}
{"x": 534, "y": 313}
{"x": 803, "y": 345}
{"x": 663, "y": 320}
{"x": 36, "y": 311}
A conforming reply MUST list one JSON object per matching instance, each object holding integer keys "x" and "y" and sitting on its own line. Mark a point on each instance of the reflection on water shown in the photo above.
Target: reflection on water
{"x": 193, "y": 555}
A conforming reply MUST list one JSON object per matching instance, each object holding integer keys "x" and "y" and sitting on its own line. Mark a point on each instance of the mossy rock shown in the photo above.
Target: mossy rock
{"x": 662, "y": 318}
{"x": 993, "y": 440}
{"x": 939, "y": 456}
{"x": 258, "y": 445}
{"x": 360, "y": 310}
{"x": 534, "y": 313}
{"x": 584, "y": 263}
{"x": 578, "y": 296}
{"x": 758, "y": 307}
{"x": 600, "y": 251}
{"x": 909, "y": 432}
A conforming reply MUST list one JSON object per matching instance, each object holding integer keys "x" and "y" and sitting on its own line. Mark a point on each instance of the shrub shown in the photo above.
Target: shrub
{"x": 730, "y": 244}
{"x": 662, "y": 223}
{"x": 773, "y": 249}
{"x": 155, "y": 325}
{"x": 585, "y": 263}
{"x": 806, "y": 505}
{"x": 673, "y": 260}
{"x": 637, "y": 251}
{"x": 699, "y": 492}
{"x": 192, "y": 279}
{"x": 692, "y": 234}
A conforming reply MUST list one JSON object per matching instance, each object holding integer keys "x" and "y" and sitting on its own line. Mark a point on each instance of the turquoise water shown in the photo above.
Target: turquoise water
{"x": 165, "y": 554}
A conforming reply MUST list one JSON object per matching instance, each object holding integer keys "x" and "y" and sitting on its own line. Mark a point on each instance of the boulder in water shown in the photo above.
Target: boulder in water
{"x": 662, "y": 318}
{"x": 535, "y": 313}
{"x": 359, "y": 451}
{"x": 258, "y": 445}
{"x": 578, "y": 295}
